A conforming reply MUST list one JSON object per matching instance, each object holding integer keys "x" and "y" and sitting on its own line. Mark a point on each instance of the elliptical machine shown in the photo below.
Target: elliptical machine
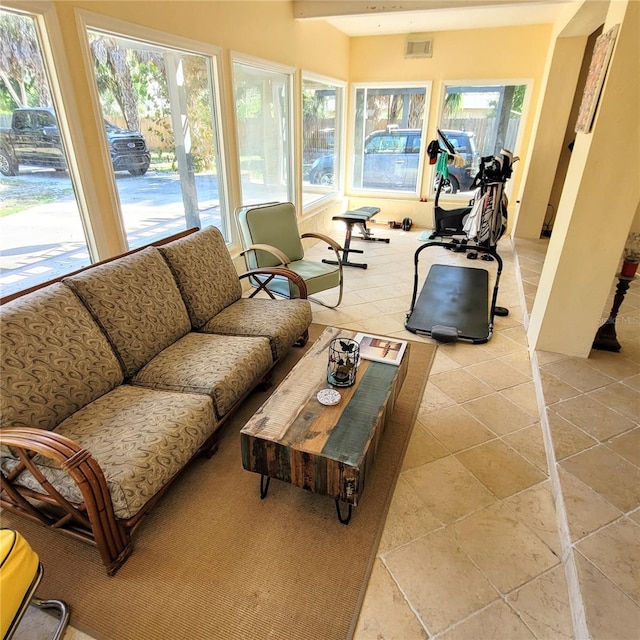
{"x": 446, "y": 222}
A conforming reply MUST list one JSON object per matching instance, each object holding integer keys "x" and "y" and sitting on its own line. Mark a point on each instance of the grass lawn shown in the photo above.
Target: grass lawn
{"x": 22, "y": 192}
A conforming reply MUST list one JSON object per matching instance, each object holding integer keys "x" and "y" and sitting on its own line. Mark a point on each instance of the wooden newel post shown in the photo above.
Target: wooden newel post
{"x": 606, "y": 339}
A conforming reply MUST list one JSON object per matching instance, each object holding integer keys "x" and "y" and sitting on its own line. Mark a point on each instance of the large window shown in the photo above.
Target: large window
{"x": 41, "y": 232}
{"x": 159, "y": 105}
{"x": 322, "y": 113}
{"x": 388, "y": 141}
{"x": 479, "y": 120}
{"x": 263, "y": 121}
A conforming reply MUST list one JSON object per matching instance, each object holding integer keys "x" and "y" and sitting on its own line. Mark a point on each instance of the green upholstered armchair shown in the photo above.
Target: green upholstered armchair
{"x": 270, "y": 236}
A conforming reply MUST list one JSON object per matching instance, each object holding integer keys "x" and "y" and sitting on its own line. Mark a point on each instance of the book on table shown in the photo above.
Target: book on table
{"x": 381, "y": 348}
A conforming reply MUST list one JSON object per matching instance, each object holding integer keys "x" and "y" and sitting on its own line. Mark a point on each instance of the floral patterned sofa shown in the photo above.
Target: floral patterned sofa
{"x": 115, "y": 377}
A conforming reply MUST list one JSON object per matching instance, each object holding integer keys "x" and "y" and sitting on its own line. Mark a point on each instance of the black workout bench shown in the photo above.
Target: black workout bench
{"x": 356, "y": 218}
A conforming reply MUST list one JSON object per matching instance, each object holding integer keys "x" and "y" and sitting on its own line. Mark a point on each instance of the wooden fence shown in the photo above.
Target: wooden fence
{"x": 484, "y": 133}
{"x": 321, "y": 139}
{"x": 152, "y": 131}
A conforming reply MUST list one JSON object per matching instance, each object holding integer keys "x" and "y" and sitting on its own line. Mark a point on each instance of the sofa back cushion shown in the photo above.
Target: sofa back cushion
{"x": 205, "y": 274}
{"x": 55, "y": 359}
{"x": 137, "y": 303}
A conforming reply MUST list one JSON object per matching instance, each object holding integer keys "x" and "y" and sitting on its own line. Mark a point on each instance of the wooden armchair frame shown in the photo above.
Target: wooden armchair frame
{"x": 93, "y": 520}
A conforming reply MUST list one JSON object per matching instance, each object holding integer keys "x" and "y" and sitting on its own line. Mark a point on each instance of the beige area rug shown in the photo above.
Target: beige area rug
{"x": 213, "y": 561}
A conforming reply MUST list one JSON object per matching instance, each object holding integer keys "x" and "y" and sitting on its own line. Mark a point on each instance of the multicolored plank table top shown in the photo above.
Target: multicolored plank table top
{"x": 325, "y": 449}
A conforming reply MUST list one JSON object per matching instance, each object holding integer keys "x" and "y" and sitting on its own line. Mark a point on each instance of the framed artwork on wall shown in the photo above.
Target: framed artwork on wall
{"x": 595, "y": 79}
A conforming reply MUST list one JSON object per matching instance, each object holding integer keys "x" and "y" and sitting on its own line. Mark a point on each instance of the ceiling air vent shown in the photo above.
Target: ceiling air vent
{"x": 419, "y": 48}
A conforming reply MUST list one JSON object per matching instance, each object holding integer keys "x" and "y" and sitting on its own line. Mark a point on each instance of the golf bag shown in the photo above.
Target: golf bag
{"x": 484, "y": 220}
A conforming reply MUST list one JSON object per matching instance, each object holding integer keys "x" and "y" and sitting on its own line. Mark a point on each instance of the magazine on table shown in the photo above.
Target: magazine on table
{"x": 380, "y": 348}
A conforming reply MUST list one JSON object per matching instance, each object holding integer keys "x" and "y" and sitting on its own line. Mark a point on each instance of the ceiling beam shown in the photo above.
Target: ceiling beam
{"x": 333, "y": 8}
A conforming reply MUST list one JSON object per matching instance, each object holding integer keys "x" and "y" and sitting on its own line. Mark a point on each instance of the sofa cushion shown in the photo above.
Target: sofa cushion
{"x": 315, "y": 274}
{"x": 205, "y": 274}
{"x": 139, "y": 437}
{"x": 55, "y": 359}
{"x": 282, "y": 321}
{"x": 136, "y": 301}
{"x": 223, "y": 367}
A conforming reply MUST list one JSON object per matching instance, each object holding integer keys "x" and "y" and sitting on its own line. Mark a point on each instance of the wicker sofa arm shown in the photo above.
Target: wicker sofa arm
{"x": 93, "y": 520}
{"x": 272, "y": 272}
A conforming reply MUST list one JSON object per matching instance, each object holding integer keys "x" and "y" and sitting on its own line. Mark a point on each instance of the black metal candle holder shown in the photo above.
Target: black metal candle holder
{"x": 344, "y": 355}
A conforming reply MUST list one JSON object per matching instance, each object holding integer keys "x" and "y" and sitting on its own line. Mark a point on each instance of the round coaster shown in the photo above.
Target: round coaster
{"x": 329, "y": 397}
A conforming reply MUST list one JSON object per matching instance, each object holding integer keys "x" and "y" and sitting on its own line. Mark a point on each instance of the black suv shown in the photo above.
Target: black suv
{"x": 33, "y": 139}
{"x": 391, "y": 159}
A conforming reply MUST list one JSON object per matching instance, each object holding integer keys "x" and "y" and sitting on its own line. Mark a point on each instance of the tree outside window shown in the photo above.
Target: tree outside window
{"x": 480, "y": 120}
{"x": 169, "y": 97}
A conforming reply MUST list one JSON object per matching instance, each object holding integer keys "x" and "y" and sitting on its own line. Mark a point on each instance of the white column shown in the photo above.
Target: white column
{"x": 560, "y": 86}
{"x": 597, "y": 206}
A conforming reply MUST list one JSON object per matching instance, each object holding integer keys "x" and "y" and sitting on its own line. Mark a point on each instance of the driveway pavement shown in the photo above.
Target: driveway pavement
{"x": 46, "y": 241}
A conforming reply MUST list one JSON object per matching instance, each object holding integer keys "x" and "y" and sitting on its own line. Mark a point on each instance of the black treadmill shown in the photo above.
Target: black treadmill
{"x": 454, "y": 301}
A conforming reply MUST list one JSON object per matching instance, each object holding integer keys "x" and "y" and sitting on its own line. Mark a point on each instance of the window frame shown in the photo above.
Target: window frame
{"x": 339, "y": 140}
{"x": 387, "y": 193}
{"x": 273, "y": 67}
{"x": 63, "y": 97}
{"x": 463, "y": 196}
{"x": 88, "y": 20}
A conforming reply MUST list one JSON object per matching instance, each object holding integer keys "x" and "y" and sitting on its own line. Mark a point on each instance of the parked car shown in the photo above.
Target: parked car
{"x": 391, "y": 158}
{"x": 321, "y": 171}
{"x": 34, "y": 139}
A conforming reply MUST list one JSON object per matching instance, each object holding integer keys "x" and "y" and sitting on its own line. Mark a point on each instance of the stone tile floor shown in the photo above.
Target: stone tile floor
{"x": 510, "y": 522}
{"x": 517, "y": 512}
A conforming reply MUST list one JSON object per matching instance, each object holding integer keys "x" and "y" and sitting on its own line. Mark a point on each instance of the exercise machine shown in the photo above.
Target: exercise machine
{"x": 357, "y": 218}
{"x": 446, "y": 222}
{"x": 454, "y": 302}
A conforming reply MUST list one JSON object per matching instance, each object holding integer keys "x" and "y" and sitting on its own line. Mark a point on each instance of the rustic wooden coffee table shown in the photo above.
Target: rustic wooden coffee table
{"x": 325, "y": 449}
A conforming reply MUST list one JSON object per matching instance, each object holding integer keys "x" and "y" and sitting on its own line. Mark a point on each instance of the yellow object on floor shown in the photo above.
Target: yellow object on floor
{"x": 20, "y": 574}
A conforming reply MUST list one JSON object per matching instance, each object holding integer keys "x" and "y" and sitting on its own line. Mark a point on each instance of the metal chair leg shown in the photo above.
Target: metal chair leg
{"x": 63, "y": 610}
